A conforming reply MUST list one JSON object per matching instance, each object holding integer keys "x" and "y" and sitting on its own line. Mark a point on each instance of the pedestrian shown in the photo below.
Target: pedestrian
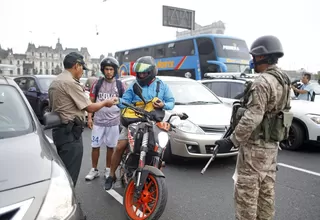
{"x": 105, "y": 126}
{"x": 67, "y": 97}
{"x": 305, "y": 91}
{"x": 264, "y": 122}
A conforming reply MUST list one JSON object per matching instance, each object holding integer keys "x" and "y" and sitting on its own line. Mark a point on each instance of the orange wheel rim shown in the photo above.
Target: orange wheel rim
{"x": 144, "y": 206}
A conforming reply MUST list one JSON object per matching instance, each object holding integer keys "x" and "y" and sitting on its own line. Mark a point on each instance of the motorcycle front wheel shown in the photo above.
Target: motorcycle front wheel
{"x": 152, "y": 201}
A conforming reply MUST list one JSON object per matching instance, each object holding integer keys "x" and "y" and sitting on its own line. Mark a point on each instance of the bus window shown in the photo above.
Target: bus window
{"x": 135, "y": 54}
{"x": 232, "y": 48}
{"x": 147, "y": 51}
{"x": 206, "y": 52}
{"x": 180, "y": 48}
{"x": 119, "y": 57}
{"x": 159, "y": 51}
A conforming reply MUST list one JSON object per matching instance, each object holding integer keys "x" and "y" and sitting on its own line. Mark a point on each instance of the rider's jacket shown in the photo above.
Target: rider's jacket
{"x": 149, "y": 92}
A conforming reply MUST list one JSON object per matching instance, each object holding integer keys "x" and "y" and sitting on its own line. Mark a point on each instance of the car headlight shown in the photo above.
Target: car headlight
{"x": 314, "y": 118}
{"x": 59, "y": 202}
{"x": 186, "y": 126}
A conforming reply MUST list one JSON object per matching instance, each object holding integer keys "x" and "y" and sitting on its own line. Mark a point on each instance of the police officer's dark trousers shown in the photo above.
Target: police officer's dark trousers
{"x": 68, "y": 141}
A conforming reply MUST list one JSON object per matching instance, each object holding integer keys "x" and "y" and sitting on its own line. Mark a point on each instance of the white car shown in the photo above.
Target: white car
{"x": 207, "y": 122}
{"x": 306, "y": 122}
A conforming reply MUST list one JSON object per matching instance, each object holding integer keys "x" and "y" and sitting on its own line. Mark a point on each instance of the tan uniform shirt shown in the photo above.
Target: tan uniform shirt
{"x": 67, "y": 97}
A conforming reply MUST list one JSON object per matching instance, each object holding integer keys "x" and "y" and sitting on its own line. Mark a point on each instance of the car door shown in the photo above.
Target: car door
{"x": 219, "y": 88}
{"x": 32, "y": 94}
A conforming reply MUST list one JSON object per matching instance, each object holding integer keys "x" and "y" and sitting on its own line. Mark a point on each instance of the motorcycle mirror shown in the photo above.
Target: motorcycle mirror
{"x": 138, "y": 91}
{"x": 184, "y": 116}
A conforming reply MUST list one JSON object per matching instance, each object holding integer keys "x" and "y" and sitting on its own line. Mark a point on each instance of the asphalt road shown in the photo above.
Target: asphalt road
{"x": 210, "y": 196}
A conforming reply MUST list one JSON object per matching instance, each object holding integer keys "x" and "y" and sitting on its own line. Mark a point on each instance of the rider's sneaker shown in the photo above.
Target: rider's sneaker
{"x": 109, "y": 182}
{"x": 107, "y": 173}
{"x": 92, "y": 174}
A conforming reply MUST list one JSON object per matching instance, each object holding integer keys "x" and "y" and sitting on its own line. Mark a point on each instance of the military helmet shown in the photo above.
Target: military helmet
{"x": 267, "y": 45}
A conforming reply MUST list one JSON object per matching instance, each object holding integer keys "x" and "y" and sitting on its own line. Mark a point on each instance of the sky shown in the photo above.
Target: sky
{"x": 124, "y": 24}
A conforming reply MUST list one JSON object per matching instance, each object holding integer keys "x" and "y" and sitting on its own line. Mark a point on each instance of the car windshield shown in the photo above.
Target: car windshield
{"x": 45, "y": 83}
{"x": 15, "y": 119}
{"x": 191, "y": 93}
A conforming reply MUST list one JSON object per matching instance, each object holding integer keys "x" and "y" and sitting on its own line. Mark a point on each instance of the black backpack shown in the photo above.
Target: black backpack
{"x": 99, "y": 84}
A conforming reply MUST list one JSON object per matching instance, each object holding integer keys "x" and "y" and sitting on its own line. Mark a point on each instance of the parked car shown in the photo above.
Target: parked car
{"x": 306, "y": 122}
{"x": 35, "y": 88}
{"x": 34, "y": 183}
{"x": 208, "y": 119}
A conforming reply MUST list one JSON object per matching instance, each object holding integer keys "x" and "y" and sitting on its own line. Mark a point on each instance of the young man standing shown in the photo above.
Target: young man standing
{"x": 105, "y": 127}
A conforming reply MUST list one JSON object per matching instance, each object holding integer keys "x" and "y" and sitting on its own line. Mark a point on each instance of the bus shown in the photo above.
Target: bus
{"x": 191, "y": 57}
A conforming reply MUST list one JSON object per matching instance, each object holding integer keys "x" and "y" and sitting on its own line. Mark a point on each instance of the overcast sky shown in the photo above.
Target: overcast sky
{"x": 123, "y": 24}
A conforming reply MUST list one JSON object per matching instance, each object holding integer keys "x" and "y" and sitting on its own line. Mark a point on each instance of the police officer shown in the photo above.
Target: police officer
{"x": 258, "y": 132}
{"x": 67, "y": 97}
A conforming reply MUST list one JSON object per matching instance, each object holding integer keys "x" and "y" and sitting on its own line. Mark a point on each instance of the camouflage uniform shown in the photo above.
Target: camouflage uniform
{"x": 257, "y": 159}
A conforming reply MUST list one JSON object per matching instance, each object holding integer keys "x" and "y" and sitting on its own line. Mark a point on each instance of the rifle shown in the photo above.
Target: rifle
{"x": 216, "y": 149}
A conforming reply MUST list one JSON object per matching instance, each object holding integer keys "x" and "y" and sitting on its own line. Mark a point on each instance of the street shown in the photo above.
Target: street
{"x": 209, "y": 196}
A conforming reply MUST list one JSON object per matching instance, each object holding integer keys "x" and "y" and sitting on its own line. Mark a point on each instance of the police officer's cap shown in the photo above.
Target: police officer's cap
{"x": 73, "y": 58}
{"x": 267, "y": 45}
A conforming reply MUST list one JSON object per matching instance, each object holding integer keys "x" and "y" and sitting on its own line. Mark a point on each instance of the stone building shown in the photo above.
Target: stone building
{"x": 44, "y": 60}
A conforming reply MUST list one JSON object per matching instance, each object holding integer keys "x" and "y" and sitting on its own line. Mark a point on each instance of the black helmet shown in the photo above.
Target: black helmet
{"x": 109, "y": 61}
{"x": 267, "y": 45}
{"x": 148, "y": 65}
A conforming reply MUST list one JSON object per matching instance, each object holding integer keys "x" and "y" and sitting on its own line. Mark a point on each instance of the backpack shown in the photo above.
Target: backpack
{"x": 99, "y": 84}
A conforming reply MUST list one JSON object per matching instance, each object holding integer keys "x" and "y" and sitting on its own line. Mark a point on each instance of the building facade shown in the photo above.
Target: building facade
{"x": 44, "y": 60}
{"x": 214, "y": 28}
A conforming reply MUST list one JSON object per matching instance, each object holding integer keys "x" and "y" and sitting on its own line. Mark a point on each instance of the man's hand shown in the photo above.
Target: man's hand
{"x": 225, "y": 145}
{"x": 90, "y": 123}
{"x": 158, "y": 104}
{"x": 110, "y": 102}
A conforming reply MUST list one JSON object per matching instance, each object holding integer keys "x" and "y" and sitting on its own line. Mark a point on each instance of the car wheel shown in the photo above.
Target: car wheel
{"x": 296, "y": 138}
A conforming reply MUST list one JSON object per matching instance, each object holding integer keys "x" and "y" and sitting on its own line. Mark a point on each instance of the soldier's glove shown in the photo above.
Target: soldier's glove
{"x": 225, "y": 145}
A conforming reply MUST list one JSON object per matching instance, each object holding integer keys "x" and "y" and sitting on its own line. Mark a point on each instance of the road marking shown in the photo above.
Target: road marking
{"x": 115, "y": 195}
{"x": 49, "y": 139}
{"x": 299, "y": 169}
{"x": 119, "y": 198}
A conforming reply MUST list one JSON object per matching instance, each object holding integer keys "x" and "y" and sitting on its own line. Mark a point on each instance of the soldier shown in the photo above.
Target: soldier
{"x": 264, "y": 120}
{"x": 68, "y": 99}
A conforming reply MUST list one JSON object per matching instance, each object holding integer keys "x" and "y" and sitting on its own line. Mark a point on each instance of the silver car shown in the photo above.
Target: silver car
{"x": 208, "y": 119}
{"x": 34, "y": 183}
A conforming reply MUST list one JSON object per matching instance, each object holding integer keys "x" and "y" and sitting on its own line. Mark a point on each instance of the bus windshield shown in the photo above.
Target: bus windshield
{"x": 232, "y": 48}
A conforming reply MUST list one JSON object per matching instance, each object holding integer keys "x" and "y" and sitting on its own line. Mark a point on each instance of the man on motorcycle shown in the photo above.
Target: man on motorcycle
{"x": 146, "y": 71}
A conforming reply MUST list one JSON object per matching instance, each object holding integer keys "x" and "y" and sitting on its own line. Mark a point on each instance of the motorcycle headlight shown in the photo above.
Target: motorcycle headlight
{"x": 314, "y": 118}
{"x": 163, "y": 138}
{"x": 187, "y": 126}
{"x": 59, "y": 202}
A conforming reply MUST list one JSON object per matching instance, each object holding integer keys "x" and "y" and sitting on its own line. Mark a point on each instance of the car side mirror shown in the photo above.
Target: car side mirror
{"x": 51, "y": 120}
